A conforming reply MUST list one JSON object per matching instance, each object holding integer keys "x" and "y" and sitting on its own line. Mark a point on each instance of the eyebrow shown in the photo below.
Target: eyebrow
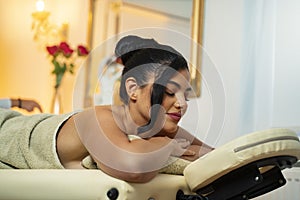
{"x": 179, "y": 86}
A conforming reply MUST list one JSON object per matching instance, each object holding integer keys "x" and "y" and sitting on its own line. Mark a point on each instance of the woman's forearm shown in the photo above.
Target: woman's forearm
{"x": 144, "y": 165}
{"x": 182, "y": 133}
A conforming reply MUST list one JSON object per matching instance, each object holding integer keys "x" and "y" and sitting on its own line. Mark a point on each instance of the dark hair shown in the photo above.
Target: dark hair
{"x": 146, "y": 58}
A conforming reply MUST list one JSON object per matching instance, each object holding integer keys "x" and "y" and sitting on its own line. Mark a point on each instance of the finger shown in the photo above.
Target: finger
{"x": 37, "y": 105}
{"x": 178, "y": 152}
{"x": 180, "y": 139}
{"x": 204, "y": 151}
{"x": 184, "y": 144}
{"x": 40, "y": 108}
{"x": 189, "y": 153}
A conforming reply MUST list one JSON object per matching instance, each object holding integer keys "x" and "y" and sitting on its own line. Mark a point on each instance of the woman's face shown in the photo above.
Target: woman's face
{"x": 174, "y": 102}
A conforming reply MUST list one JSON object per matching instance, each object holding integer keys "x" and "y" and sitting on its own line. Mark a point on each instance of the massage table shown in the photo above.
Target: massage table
{"x": 244, "y": 168}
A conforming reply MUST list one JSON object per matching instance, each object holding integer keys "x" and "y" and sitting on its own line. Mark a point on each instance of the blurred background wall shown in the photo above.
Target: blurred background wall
{"x": 254, "y": 45}
{"x": 25, "y": 69}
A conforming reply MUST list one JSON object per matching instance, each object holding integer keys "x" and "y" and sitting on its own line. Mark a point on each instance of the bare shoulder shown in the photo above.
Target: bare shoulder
{"x": 103, "y": 110}
{"x": 111, "y": 121}
{"x": 110, "y": 114}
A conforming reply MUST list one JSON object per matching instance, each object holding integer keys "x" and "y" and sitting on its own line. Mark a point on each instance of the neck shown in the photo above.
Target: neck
{"x": 134, "y": 116}
{"x": 130, "y": 124}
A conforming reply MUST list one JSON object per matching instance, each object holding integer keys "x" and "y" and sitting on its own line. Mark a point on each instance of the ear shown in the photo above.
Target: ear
{"x": 131, "y": 87}
{"x": 119, "y": 60}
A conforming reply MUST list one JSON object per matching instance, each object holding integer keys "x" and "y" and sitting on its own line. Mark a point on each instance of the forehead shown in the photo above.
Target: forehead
{"x": 181, "y": 77}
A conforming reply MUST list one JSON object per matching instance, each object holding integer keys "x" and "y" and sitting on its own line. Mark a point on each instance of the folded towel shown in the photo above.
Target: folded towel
{"x": 176, "y": 166}
{"x": 29, "y": 141}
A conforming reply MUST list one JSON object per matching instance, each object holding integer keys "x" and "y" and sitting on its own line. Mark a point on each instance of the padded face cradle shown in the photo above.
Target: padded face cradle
{"x": 240, "y": 152}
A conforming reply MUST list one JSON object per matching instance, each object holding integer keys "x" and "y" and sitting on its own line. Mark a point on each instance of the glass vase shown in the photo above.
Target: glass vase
{"x": 56, "y": 103}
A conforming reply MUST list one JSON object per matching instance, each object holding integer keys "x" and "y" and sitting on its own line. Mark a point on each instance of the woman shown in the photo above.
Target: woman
{"x": 154, "y": 90}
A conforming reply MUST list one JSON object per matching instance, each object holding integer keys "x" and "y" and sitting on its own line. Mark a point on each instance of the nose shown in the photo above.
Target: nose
{"x": 180, "y": 102}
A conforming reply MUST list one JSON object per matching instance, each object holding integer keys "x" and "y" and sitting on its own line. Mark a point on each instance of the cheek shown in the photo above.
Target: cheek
{"x": 145, "y": 102}
{"x": 167, "y": 102}
{"x": 184, "y": 109}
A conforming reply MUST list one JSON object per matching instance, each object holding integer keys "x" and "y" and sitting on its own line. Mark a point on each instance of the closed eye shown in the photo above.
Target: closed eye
{"x": 186, "y": 98}
{"x": 169, "y": 93}
{"x": 187, "y": 95}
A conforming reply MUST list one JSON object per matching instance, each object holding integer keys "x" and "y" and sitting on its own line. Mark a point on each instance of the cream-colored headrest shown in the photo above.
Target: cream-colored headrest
{"x": 239, "y": 152}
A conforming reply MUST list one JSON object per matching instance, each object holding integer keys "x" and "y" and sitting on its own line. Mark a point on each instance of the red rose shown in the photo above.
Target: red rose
{"x": 52, "y": 50}
{"x": 82, "y": 50}
{"x": 62, "y": 59}
{"x": 66, "y": 49}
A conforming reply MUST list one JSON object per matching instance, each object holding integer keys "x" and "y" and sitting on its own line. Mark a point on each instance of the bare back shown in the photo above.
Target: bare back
{"x": 70, "y": 149}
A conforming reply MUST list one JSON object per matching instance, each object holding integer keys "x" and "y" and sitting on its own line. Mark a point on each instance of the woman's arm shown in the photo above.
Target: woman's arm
{"x": 182, "y": 133}
{"x": 97, "y": 134}
{"x": 134, "y": 169}
{"x": 199, "y": 147}
{"x": 138, "y": 160}
{"x": 71, "y": 149}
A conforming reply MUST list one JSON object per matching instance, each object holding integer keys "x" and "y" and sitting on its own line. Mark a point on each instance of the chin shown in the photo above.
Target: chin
{"x": 170, "y": 130}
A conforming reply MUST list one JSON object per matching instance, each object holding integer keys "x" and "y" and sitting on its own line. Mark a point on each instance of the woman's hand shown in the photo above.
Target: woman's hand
{"x": 199, "y": 151}
{"x": 181, "y": 148}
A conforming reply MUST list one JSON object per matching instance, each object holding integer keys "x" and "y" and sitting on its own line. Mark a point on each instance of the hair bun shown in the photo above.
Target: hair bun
{"x": 132, "y": 43}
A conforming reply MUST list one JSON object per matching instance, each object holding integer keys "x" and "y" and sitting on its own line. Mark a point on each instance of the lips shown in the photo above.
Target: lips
{"x": 174, "y": 116}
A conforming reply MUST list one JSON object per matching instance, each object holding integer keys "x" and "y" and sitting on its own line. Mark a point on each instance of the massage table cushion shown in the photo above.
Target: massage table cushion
{"x": 239, "y": 159}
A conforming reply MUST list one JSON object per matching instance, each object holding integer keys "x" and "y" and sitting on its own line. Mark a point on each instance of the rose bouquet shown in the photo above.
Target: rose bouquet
{"x": 63, "y": 58}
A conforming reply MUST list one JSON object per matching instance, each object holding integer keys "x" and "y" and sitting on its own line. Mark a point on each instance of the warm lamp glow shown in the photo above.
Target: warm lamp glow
{"x": 44, "y": 31}
{"x": 40, "y": 5}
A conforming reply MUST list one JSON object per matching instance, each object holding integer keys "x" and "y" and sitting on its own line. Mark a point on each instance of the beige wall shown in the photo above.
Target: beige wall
{"x": 24, "y": 66}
